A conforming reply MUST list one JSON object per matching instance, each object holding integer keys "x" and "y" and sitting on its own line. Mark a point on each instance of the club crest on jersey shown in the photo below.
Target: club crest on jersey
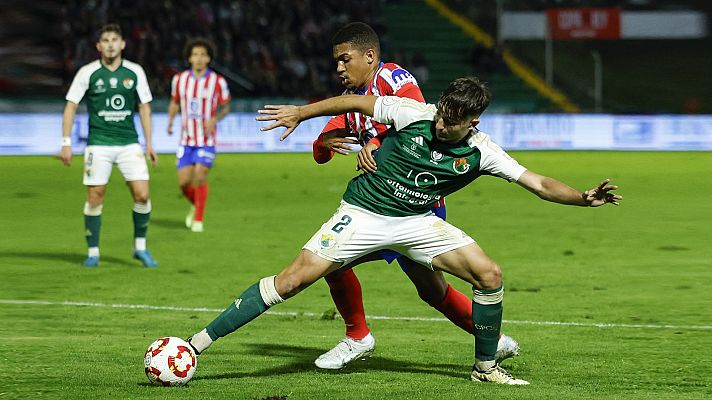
{"x": 460, "y": 165}
{"x": 113, "y": 82}
{"x": 128, "y": 83}
{"x": 435, "y": 156}
{"x": 327, "y": 241}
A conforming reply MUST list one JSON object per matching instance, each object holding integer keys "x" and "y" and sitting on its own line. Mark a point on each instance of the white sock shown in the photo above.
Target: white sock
{"x": 140, "y": 243}
{"x": 93, "y": 252}
{"x": 483, "y": 366}
{"x": 201, "y": 341}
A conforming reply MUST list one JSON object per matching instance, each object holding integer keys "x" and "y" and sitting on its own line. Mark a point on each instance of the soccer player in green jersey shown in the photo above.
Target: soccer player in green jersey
{"x": 428, "y": 153}
{"x": 114, "y": 89}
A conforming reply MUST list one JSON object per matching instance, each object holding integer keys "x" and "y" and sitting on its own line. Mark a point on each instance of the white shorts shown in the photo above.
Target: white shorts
{"x": 99, "y": 161}
{"x": 353, "y": 232}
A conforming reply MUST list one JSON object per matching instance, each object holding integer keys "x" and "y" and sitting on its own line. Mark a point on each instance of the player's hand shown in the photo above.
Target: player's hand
{"x": 365, "y": 160}
{"x": 209, "y": 124}
{"x": 283, "y": 115}
{"x": 169, "y": 128}
{"x": 152, "y": 155}
{"x": 601, "y": 195}
{"x": 333, "y": 141}
{"x": 66, "y": 155}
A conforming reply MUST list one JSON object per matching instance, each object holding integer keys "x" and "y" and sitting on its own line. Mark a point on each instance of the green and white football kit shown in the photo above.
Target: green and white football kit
{"x": 390, "y": 208}
{"x": 112, "y": 98}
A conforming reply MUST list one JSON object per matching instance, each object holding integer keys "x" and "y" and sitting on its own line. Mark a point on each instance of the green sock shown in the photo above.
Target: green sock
{"x": 487, "y": 321}
{"x": 92, "y": 226}
{"x": 246, "y": 308}
{"x": 141, "y": 224}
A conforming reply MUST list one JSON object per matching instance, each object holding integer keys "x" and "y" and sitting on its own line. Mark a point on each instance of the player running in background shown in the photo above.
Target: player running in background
{"x": 391, "y": 209}
{"x": 356, "y": 50}
{"x": 202, "y": 97}
{"x": 114, "y": 88}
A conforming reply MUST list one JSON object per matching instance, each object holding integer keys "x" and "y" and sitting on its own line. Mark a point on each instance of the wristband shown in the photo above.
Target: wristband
{"x": 66, "y": 141}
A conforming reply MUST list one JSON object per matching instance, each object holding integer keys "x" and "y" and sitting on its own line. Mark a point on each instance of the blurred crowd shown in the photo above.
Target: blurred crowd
{"x": 281, "y": 47}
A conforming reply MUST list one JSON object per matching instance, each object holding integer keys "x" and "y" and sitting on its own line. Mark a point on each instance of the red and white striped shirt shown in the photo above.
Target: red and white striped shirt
{"x": 390, "y": 80}
{"x": 199, "y": 99}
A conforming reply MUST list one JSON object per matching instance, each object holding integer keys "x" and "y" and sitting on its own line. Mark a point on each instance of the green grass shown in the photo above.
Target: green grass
{"x": 646, "y": 262}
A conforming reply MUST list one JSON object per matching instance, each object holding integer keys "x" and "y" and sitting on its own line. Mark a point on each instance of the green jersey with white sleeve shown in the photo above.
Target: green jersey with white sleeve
{"x": 415, "y": 169}
{"x": 112, "y": 100}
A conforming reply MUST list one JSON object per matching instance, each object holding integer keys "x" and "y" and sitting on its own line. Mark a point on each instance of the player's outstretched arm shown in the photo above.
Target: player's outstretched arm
{"x": 144, "y": 112}
{"x": 289, "y": 116}
{"x": 555, "y": 191}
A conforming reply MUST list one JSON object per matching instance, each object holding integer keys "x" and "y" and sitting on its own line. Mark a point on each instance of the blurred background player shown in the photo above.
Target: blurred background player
{"x": 115, "y": 87}
{"x": 356, "y": 50}
{"x": 202, "y": 97}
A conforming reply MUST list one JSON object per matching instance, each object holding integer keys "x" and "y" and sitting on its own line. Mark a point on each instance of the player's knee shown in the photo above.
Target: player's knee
{"x": 489, "y": 277}
{"x": 289, "y": 284}
{"x": 141, "y": 197}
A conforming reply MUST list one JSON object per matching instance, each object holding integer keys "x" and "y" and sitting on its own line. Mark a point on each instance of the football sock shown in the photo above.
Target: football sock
{"x": 251, "y": 303}
{"x": 346, "y": 293}
{"x": 141, "y": 217}
{"x": 189, "y": 193}
{"x": 457, "y": 307}
{"x": 92, "y": 225}
{"x": 201, "y": 197}
{"x": 487, "y": 321}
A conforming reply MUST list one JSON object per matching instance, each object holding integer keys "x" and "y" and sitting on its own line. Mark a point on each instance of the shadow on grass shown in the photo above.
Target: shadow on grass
{"x": 71, "y": 258}
{"x": 299, "y": 359}
{"x": 169, "y": 223}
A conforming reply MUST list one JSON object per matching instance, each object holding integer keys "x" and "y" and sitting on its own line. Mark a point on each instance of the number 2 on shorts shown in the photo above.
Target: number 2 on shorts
{"x": 345, "y": 220}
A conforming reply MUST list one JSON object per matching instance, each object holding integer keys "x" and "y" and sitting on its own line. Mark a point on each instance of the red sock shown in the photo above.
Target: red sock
{"x": 189, "y": 193}
{"x": 201, "y": 197}
{"x": 346, "y": 293}
{"x": 457, "y": 308}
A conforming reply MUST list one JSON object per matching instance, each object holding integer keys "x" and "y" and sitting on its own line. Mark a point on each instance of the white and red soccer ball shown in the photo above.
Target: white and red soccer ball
{"x": 170, "y": 361}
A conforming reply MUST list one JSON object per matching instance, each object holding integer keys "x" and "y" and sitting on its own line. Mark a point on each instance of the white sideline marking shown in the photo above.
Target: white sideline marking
{"x": 381, "y": 317}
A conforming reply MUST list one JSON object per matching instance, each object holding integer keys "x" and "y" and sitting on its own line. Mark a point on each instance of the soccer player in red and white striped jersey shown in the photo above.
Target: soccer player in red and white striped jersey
{"x": 202, "y": 97}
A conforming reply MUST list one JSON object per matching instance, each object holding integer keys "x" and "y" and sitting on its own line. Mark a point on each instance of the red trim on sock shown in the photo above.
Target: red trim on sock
{"x": 201, "y": 197}
{"x": 189, "y": 192}
{"x": 346, "y": 292}
{"x": 457, "y": 308}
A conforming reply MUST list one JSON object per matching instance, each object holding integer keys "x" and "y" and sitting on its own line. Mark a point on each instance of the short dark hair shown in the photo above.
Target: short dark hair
{"x": 464, "y": 98}
{"x": 199, "y": 42}
{"x": 110, "y": 28}
{"x": 358, "y": 34}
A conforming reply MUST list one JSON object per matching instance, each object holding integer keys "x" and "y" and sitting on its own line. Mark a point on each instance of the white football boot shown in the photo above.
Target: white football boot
{"x": 189, "y": 217}
{"x": 507, "y": 347}
{"x": 197, "y": 226}
{"x": 495, "y": 374}
{"x": 345, "y": 351}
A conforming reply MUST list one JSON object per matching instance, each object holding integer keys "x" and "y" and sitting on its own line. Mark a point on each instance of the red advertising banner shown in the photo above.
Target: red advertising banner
{"x": 584, "y": 23}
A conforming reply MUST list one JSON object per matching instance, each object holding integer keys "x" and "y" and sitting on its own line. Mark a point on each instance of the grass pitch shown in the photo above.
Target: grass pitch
{"x": 606, "y": 303}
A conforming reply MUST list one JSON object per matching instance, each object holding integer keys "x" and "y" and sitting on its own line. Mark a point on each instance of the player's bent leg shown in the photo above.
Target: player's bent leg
{"x": 258, "y": 298}
{"x": 472, "y": 264}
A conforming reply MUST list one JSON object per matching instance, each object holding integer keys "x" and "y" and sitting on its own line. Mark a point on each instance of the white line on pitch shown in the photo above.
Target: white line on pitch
{"x": 311, "y": 314}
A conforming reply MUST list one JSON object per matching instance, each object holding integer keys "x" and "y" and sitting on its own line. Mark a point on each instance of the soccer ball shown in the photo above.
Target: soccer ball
{"x": 170, "y": 361}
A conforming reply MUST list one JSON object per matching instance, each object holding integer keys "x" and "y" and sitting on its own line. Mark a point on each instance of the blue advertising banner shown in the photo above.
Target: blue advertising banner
{"x": 37, "y": 133}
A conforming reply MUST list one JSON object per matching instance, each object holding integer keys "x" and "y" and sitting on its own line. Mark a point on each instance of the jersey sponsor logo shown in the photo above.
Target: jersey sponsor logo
{"x": 402, "y": 77}
{"x": 113, "y": 82}
{"x": 418, "y": 140}
{"x": 435, "y": 156}
{"x": 128, "y": 83}
{"x": 327, "y": 241}
{"x": 460, "y": 165}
